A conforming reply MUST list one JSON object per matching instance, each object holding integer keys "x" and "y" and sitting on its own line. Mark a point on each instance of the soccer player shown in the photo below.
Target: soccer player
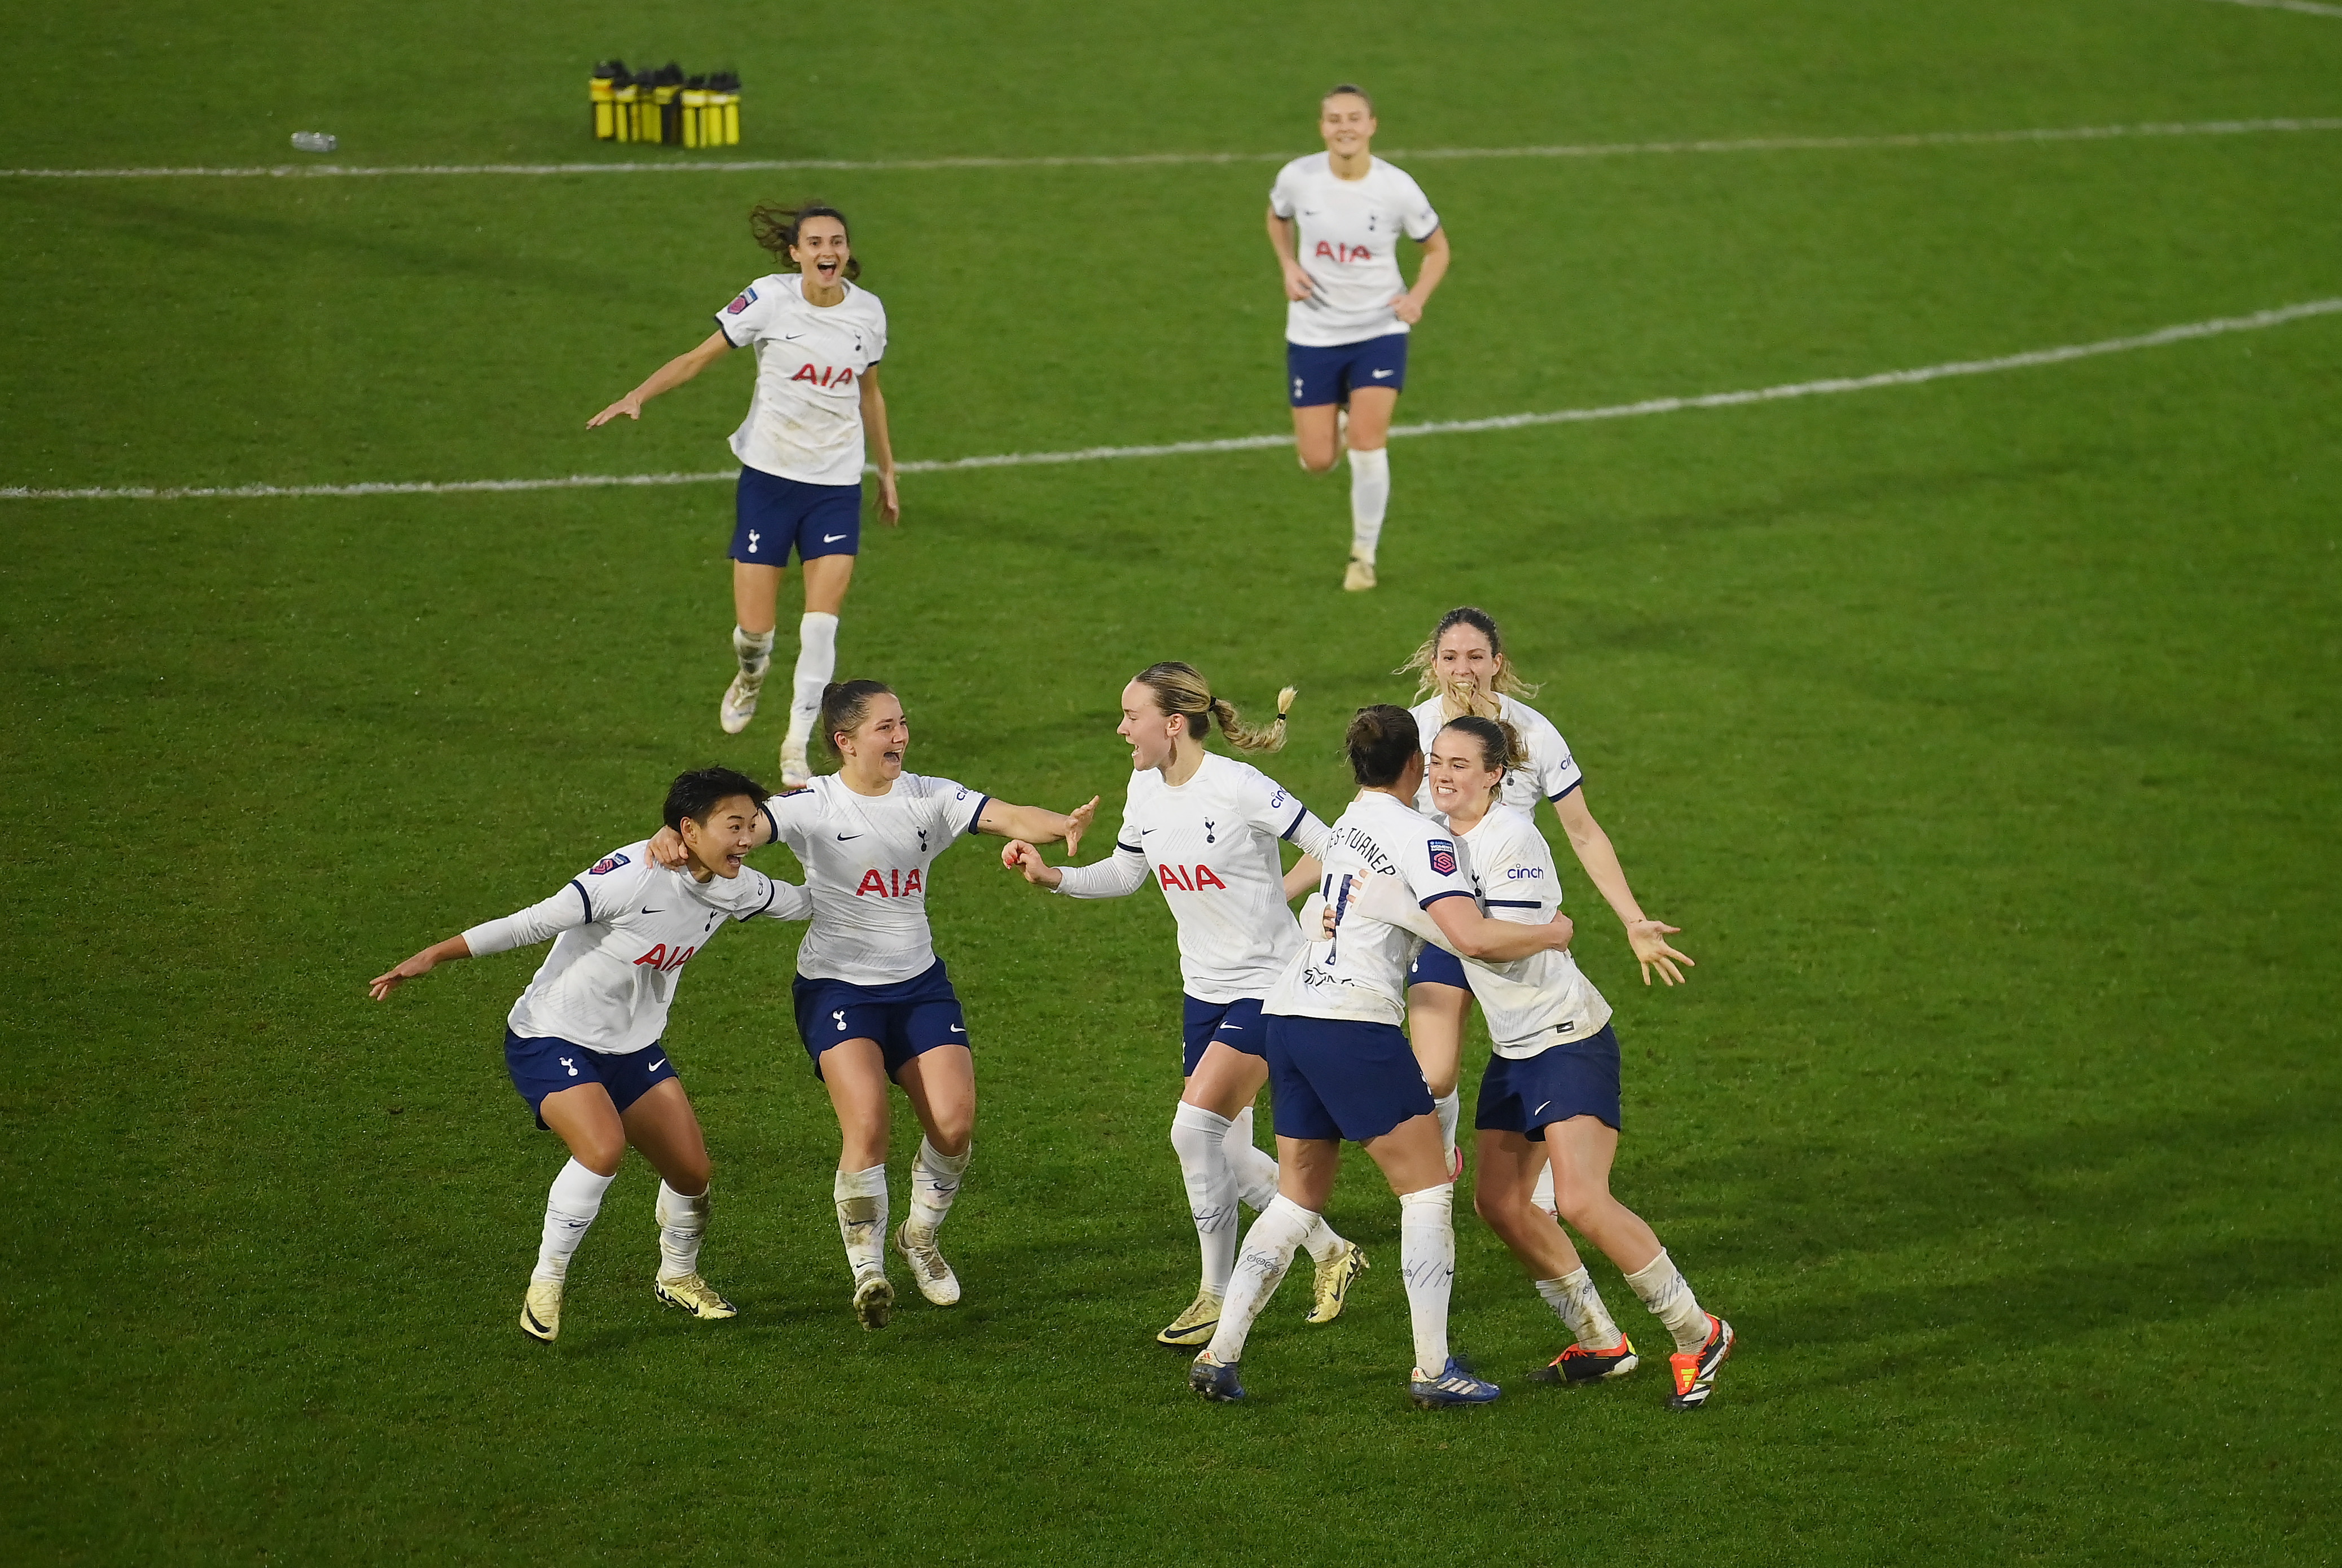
{"x": 583, "y": 1042}
{"x": 1206, "y": 828}
{"x": 1463, "y": 665}
{"x": 1549, "y": 1101}
{"x": 1340, "y": 1068}
{"x": 1335, "y": 220}
{"x": 873, "y": 1003}
{"x": 819, "y": 338}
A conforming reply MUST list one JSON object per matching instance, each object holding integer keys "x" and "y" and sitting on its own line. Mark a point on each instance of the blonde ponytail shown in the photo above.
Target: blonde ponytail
{"x": 1180, "y": 691}
{"x": 1424, "y": 663}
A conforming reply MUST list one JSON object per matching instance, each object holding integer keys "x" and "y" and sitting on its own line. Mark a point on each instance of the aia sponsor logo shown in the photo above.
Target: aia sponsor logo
{"x": 1341, "y": 251}
{"x": 825, "y": 375}
{"x": 666, "y": 963}
{"x": 889, "y": 885}
{"x": 1189, "y": 878}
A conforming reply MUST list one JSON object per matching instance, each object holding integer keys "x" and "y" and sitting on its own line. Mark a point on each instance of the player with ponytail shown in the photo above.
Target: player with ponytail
{"x": 819, "y": 339}
{"x": 1205, "y": 828}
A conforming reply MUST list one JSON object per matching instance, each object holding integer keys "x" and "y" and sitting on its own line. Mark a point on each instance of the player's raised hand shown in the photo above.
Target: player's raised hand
{"x": 422, "y": 963}
{"x": 666, "y": 849}
{"x": 1020, "y": 856}
{"x": 1649, "y": 938}
{"x": 631, "y": 405}
{"x": 1077, "y": 822}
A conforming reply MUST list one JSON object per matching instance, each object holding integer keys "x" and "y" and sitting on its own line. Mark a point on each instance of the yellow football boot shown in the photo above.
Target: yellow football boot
{"x": 1335, "y": 1277}
{"x": 540, "y": 1311}
{"x": 1194, "y": 1326}
{"x": 695, "y": 1296}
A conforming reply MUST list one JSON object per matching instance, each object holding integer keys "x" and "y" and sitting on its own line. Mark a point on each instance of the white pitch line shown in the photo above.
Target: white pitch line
{"x": 2310, "y": 7}
{"x": 1156, "y": 160}
{"x": 2257, "y": 321}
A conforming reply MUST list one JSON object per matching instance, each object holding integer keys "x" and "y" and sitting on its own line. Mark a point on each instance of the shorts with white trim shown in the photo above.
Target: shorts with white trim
{"x": 907, "y": 1019}
{"x": 1316, "y": 376}
{"x": 1341, "y": 1078}
{"x": 541, "y": 1065}
{"x": 1526, "y": 1095}
{"x": 1235, "y": 1025}
{"x": 773, "y": 515}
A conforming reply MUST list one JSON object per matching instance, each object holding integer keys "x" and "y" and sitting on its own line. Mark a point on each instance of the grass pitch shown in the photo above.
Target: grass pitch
{"x": 1979, "y": 735}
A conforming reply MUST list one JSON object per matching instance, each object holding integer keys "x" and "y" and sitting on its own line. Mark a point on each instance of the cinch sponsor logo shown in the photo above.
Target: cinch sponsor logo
{"x": 825, "y": 375}
{"x": 892, "y": 884}
{"x": 1523, "y": 873}
{"x": 1189, "y": 879}
{"x": 658, "y": 958}
{"x": 1337, "y": 251}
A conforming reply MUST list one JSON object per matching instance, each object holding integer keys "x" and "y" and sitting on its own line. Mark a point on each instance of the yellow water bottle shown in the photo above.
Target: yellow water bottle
{"x": 601, "y": 90}
{"x": 694, "y": 108}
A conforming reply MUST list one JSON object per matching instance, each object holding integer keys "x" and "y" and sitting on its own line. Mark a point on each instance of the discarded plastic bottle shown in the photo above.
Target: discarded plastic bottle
{"x": 315, "y": 141}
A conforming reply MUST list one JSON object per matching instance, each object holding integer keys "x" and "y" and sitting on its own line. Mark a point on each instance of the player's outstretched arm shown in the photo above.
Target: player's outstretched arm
{"x": 1035, "y": 826}
{"x": 666, "y": 378}
{"x": 1455, "y": 923}
{"x": 1119, "y": 875}
{"x": 422, "y": 963}
{"x": 1306, "y": 872}
{"x": 1646, "y": 937}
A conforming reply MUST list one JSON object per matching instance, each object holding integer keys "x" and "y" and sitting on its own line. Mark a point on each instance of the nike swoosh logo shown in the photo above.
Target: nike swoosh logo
{"x": 1231, "y": 1028}
{"x": 661, "y": 1062}
{"x": 791, "y": 337}
{"x": 1382, "y": 375}
{"x": 648, "y": 911}
{"x": 843, "y": 836}
{"x": 1541, "y": 1107}
{"x": 958, "y": 1030}
{"x": 831, "y": 538}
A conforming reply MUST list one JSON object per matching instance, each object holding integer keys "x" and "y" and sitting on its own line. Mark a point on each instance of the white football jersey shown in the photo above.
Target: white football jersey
{"x": 867, "y": 859}
{"x": 805, "y": 422}
{"x": 1348, "y": 239}
{"x": 1362, "y": 973}
{"x": 626, "y": 928}
{"x": 1211, "y": 845}
{"x": 1552, "y": 772}
{"x": 1540, "y": 1001}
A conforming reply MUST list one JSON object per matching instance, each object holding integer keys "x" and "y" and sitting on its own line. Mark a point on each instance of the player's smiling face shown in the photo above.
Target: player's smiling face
{"x": 1152, "y": 735}
{"x": 1465, "y": 659}
{"x": 1346, "y": 123}
{"x": 821, "y": 252}
{"x": 873, "y": 752}
{"x": 719, "y": 845}
{"x": 1462, "y": 782}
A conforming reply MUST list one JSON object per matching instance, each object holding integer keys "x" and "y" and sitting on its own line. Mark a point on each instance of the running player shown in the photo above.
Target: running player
{"x": 1339, "y": 1068}
{"x": 819, "y": 339}
{"x": 1463, "y": 665}
{"x": 1549, "y": 1101}
{"x": 1335, "y": 219}
{"x": 1205, "y": 829}
{"x": 873, "y": 1001}
{"x": 583, "y": 1042}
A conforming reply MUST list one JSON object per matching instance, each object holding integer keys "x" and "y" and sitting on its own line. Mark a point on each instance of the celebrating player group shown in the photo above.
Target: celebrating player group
{"x": 1433, "y": 889}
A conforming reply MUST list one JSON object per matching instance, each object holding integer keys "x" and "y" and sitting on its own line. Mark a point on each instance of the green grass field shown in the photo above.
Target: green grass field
{"x": 1980, "y": 735}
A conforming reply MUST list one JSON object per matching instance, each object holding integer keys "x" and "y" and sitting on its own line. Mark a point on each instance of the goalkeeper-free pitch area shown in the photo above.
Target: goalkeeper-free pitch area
{"x": 1979, "y": 735}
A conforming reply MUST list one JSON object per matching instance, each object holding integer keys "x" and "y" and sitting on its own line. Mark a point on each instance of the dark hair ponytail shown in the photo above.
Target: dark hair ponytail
{"x": 775, "y": 227}
{"x": 1380, "y": 740}
{"x": 844, "y": 705}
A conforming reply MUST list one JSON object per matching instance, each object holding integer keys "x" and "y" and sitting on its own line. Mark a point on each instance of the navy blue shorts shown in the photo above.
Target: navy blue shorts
{"x": 1314, "y": 376}
{"x": 1530, "y": 1094}
{"x": 775, "y": 514}
{"x": 908, "y": 1018}
{"x": 1340, "y": 1078}
{"x": 1435, "y": 965}
{"x": 1236, "y": 1024}
{"x": 541, "y": 1065}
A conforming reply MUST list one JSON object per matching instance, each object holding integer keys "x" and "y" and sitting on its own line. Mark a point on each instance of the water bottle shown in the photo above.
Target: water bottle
{"x": 314, "y": 141}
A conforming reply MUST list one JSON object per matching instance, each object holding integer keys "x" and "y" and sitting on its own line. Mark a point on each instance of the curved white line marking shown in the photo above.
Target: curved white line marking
{"x": 2219, "y": 325}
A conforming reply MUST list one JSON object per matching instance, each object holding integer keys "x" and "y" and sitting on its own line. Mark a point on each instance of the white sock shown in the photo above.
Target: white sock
{"x": 683, "y": 1222}
{"x": 817, "y": 662}
{"x": 935, "y": 1183}
{"x": 1543, "y": 1197}
{"x": 1450, "y": 1107}
{"x": 1664, "y": 1291}
{"x": 1578, "y": 1305}
{"x": 1427, "y": 1256}
{"x": 569, "y": 1209}
{"x": 1199, "y": 1138}
{"x": 1255, "y": 1172}
{"x": 860, "y": 1198}
{"x": 1261, "y": 1263}
{"x": 1369, "y": 499}
{"x": 754, "y": 651}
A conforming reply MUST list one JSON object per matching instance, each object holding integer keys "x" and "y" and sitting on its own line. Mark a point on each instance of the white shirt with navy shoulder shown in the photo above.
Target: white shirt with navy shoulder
{"x": 805, "y": 422}
{"x": 1346, "y": 238}
{"x": 867, "y": 861}
{"x": 1210, "y": 845}
{"x": 1552, "y": 772}
{"x": 1362, "y": 973}
{"x": 624, "y": 929}
{"x": 1541, "y": 1001}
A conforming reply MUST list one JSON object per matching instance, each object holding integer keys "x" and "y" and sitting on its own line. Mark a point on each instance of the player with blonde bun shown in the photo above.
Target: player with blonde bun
{"x": 1462, "y": 669}
{"x": 1205, "y": 828}
{"x": 1335, "y": 220}
{"x": 1549, "y": 1101}
{"x": 873, "y": 1003}
{"x": 819, "y": 337}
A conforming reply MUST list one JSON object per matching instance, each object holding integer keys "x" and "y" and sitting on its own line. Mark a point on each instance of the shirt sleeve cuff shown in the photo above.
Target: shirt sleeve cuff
{"x": 1445, "y": 893}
